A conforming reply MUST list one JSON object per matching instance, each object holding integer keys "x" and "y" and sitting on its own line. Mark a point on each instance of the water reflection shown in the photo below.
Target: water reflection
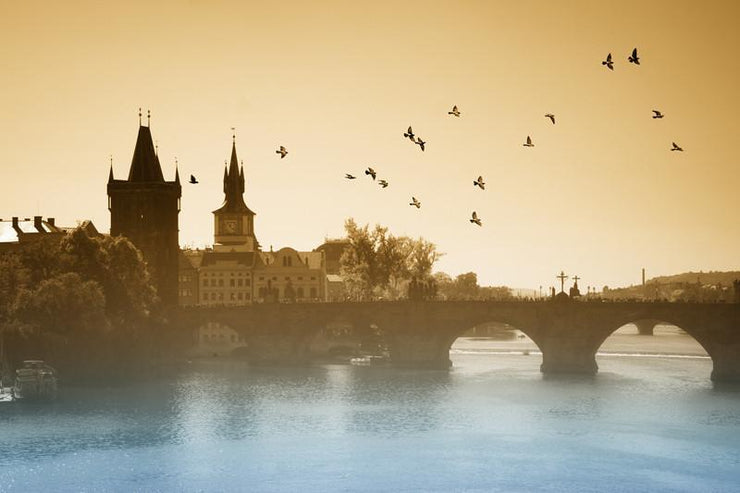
{"x": 222, "y": 424}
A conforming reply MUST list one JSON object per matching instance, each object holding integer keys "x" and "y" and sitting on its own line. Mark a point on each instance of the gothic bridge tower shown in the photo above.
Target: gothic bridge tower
{"x": 144, "y": 208}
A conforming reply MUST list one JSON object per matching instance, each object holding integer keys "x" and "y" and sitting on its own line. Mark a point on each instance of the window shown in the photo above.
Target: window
{"x": 313, "y": 278}
{"x": 247, "y": 296}
{"x": 262, "y": 278}
{"x": 220, "y": 282}
{"x": 213, "y": 296}
{"x": 213, "y": 283}
{"x": 299, "y": 292}
{"x": 232, "y": 283}
{"x": 233, "y": 296}
{"x": 239, "y": 295}
{"x": 205, "y": 282}
{"x": 240, "y": 282}
{"x": 313, "y": 292}
{"x": 300, "y": 278}
{"x": 220, "y": 296}
{"x": 287, "y": 278}
{"x": 205, "y": 296}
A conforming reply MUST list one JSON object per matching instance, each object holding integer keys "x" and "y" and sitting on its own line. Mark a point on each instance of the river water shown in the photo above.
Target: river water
{"x": 492, "y": 423}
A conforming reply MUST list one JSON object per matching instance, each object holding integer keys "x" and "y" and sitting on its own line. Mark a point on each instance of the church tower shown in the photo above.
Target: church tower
{"x": 144, "y": 208}
{"x": 233, "y": 221}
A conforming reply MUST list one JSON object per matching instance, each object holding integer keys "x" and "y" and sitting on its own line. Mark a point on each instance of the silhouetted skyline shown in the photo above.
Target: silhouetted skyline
{"x": 600, "y": 195}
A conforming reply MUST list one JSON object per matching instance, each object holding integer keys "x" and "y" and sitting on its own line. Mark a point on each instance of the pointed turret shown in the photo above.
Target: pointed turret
{"x": 177, "y": 173}
{"x": 241, "y": 178}
{"x": 145, "y": 163}
{"x": 234, "y": 186}
{"x": 110, "y": 174}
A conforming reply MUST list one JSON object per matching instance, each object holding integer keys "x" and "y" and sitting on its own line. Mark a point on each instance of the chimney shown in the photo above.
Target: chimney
{"x": 15, "y": 225}
{"x": 51, "y": 221}
{"x": 37, "y": 224}
{"x": 643, "y": 276}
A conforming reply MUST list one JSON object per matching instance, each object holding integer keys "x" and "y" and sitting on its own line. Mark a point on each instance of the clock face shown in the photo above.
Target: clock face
{"x": 230, "y": 225}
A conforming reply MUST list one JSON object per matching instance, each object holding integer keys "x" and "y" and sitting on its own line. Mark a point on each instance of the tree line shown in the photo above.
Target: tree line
{"x": 378, "y": 265}
{"x": 85, "y": 304}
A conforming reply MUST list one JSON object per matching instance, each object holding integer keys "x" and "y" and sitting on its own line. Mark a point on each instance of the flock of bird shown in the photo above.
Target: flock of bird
{"x": 409, "y": 134}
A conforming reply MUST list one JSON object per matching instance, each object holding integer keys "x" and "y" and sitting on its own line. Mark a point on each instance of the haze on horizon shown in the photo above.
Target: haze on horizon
{"x": 600, "y": 195}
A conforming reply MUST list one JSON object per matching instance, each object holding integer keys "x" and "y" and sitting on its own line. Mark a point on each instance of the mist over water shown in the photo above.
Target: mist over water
{"x": 492, "y": 423}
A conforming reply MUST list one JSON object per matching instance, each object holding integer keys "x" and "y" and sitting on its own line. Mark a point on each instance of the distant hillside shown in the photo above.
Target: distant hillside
{"x": 711, "y": 277}
{"x": 688, "y": 286}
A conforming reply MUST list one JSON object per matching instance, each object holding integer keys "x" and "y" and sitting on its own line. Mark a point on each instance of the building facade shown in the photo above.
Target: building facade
{"x": 144, "y": 208}
{"x": 235, "y": 271}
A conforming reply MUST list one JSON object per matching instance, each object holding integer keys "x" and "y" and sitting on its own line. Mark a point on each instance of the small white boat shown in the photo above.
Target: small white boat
{"x": 368, "y": 360}
{"x": 35, "y": 381}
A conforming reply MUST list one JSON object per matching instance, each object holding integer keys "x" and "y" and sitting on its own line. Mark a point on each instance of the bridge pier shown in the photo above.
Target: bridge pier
{"x": 568, "y": 355}
{"x": 726, "y": 363}
{"x": 419, "y": 350}
{"x": 645, "y": 327}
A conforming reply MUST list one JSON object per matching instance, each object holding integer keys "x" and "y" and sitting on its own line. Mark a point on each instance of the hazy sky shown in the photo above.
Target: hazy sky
{"x": 600, "y": 195}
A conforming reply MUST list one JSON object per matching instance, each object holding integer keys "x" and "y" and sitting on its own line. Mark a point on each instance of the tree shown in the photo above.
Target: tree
{"x": 64, "y": 304}
{"x": 378, "y": 264}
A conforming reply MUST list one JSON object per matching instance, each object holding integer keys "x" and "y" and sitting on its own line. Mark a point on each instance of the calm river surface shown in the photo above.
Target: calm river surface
{"x": 493, "y": 423}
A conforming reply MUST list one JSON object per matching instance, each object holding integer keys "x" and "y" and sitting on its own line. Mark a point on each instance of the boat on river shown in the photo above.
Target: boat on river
{"x": 35, "y": 381}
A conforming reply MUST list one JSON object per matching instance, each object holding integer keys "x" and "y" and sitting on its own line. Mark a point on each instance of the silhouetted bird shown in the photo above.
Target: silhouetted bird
{"x": 454, "y": 111}
{"x": 608, "y": 62}
{"x": 634, "y": 58}
{"x": 409, "y": 134}
{"x": 383, "y": 183}
{"x": 193, "y": 180}
{"x": 415, "y": 202}
{"x": 282, "y": 151}
{"x": 420, "y": 142}
{"x": 349, "y": 177}
{"x": 479, "y": 183}
{"x": 657, "y": 114}
{"x": 528, "y": 143}
{"x": 676, "y": 147}
{"x": 551, "y": 117}
{"x": 370, "y": 172}
{"x": 476, "y": 220}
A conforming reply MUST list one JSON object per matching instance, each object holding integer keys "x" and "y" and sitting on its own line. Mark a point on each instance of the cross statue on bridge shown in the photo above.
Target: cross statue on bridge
{"x": 562, "y": 278}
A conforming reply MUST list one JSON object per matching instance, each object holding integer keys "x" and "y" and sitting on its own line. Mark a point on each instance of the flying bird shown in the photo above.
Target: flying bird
{"x": 657, "y": 114}
{"x": 551, "y": 117}
{"x": 383, "y": 183}
{"x": 608, "y": 62}
{"x": 193, "y": 180}
{"x": 282, "y": 151}
{"x": 479, "y": 183}
{"x": 409, "y": 133}
{"x": 528, "y": 143}
{"x": 454, "y": 111}
{"x": 676, "y": 147}
{"x": 476, "y": 220}
{"x": 349, "y": 177}
{"x": 371, "y": 172}
{"x": 420, "y": 142}
{"x": 634, "y": 58}
{"x": 415, "y": 202}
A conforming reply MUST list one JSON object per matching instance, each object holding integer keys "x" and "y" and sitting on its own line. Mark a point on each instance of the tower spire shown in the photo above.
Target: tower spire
{"x": 110, "y": 173}
{"x": 139, "y": 116}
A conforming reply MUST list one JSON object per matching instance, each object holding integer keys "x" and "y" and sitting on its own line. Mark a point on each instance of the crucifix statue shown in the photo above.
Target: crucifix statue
{"x": 576, "y": 278}
{"x": 562, "y": 278}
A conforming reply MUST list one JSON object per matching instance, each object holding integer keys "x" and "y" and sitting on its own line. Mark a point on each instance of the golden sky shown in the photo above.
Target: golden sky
{"x": 600, "y": 195}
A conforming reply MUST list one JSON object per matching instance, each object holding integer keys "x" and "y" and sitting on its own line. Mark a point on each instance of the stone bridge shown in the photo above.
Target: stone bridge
{"x": 419, "y": 334}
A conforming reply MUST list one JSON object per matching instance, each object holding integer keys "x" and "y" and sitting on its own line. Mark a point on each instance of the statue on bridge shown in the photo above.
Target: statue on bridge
{"x": 574, "y": 291}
